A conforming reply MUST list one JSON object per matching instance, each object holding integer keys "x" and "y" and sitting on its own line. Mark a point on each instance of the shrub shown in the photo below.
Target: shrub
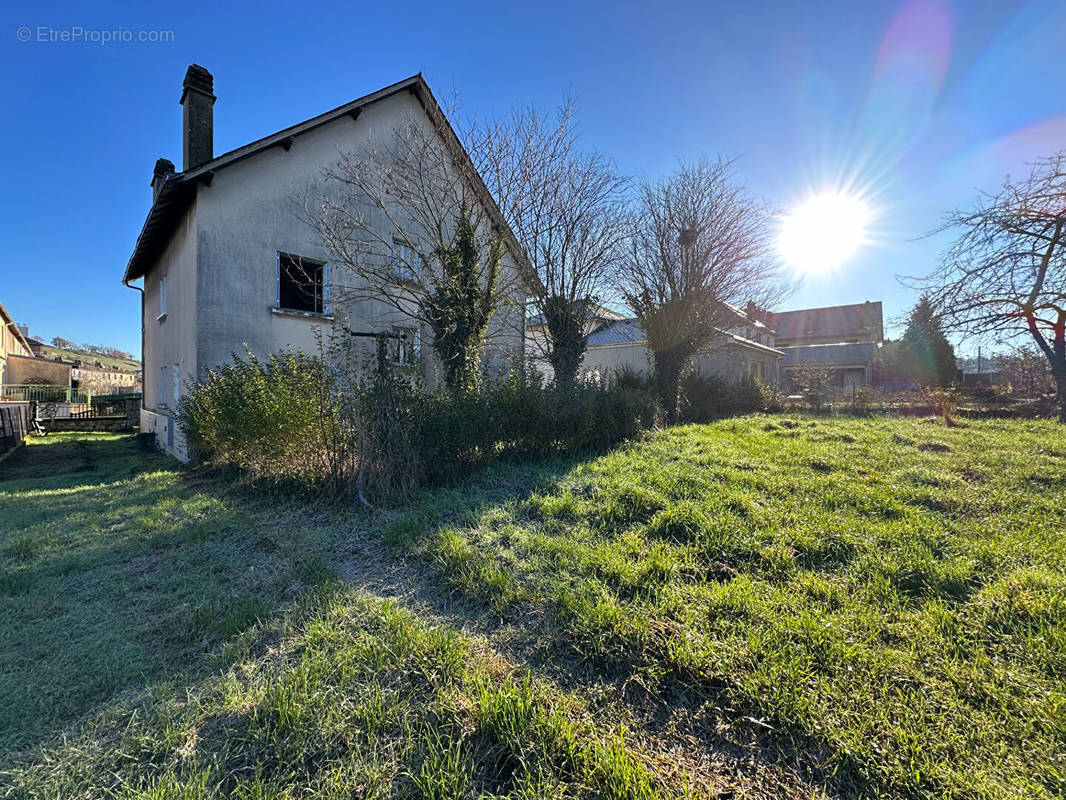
{"x": 941, "y": 404}
{"x": 292, "y": 418}
{"x": 277, "y": 419}
{"x": 460, "y": 430}
{"x": 625, "y": 377}
{"x": 708, "y": 397}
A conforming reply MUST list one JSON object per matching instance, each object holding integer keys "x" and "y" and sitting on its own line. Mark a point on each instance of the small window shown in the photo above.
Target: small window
{"x": 404, "y": 261}
{"x": 177, "y": 385}
{"x": 303, "y": 285}
{"x": 163, "y": 385}
{"x": 162, "y": 297}
{"x": 405, "y": 346}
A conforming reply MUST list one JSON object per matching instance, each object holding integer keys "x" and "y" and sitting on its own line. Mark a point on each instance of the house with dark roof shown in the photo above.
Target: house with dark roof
{"x": 841, "y": 340}
{"x": 225, "y": 259}
{"x": 746, "y": 349}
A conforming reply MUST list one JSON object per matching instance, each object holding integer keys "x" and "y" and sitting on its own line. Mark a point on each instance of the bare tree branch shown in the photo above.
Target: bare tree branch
{"x": 1006, "y": 272}
{"x": 567, "y": 210}
{"x": 701, "y": 247}
{"x": 405, "y": 219}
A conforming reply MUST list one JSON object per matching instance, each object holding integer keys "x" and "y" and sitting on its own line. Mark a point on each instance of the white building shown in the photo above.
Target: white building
{"x": 222, "y": 237}
{"x": 743, "y": 350}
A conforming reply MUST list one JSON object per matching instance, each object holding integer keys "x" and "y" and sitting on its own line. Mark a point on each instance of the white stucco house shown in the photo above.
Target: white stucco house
{"x": 743, "y": 350}
{"x": 216, "y": 255}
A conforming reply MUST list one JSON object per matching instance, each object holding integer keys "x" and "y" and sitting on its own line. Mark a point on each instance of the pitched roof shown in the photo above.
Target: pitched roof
{"x": 829, "y": 354}
{"x": 623, "y": 331}
{"x": 179, "y": 189}
{"x": 594, "y": 312}
{"x": 858, "y": 319}
{"x": 629, "y": 331}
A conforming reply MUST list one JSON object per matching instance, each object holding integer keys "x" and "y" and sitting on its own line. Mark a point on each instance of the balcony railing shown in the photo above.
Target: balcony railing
{"x": 42, "y": 393}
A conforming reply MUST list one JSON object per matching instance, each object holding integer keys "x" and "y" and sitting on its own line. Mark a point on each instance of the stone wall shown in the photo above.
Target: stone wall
{"x": 113, "y": 424}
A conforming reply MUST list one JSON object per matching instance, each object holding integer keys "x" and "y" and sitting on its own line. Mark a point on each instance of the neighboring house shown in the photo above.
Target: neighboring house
{"x": 744, "y": 350}
{"x": 87, "y": 374}
{"x": 841, "y": 340}
{"x": 537, "y": 334}
{"x": 224, "y": 239}
{"x": 13, "y": 342}
{"x": 98, "y": 379}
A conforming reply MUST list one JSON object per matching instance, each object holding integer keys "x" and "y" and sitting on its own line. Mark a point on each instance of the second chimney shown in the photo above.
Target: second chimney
{"x": 163, "y": 168}
{"x": 197, "y": 134}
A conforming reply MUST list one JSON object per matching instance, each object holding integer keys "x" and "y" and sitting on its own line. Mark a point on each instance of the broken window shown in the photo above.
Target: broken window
{"x": 303, "y": 284}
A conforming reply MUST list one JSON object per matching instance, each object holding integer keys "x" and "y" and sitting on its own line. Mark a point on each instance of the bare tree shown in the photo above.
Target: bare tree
{"x": 409, "y": 223}
{"x": 700, "y": 243}
{"x": 567, "y": 209}
{"x": 1026, "y": 369}
{"x": 1006, "y": 273}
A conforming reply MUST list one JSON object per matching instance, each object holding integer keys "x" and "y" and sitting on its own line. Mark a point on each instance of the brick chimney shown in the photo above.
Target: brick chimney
{"x": 197, "y": 100}
{"x": 163, "y": 167}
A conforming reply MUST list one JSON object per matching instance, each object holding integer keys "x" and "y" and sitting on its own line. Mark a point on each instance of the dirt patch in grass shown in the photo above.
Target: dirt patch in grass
{"x": 934, "y": 447}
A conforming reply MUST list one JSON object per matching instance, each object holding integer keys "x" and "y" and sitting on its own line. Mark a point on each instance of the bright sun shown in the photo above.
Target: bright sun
{"x": 823, "y": 232}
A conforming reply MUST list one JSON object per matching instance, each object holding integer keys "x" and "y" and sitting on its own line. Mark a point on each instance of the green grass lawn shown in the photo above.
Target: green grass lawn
{"x": 117, "y": 571}
{"x": 769, "y": 606}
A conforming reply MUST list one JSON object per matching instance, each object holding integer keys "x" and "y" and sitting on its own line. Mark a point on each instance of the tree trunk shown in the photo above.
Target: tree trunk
{"x": 668, "y": 365}
{"x": 566, "y": 337}
{"x": 1060, "y": 382}
{"x": 566, "y": 360}
{"x": 1058, "y": 362}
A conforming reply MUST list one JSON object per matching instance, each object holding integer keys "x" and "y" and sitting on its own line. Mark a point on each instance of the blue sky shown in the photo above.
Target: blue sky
{"x": 915, "y": 105}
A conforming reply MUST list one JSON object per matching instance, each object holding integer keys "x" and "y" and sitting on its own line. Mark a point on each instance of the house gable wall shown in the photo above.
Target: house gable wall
{"x": 254, "y": 209}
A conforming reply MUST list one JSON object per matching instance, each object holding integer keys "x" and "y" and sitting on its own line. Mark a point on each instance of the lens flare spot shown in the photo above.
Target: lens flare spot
{"x": 823, "y": 232}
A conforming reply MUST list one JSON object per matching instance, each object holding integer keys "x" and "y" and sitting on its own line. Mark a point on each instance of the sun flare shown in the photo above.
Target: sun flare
{"x": 824, "y": 232}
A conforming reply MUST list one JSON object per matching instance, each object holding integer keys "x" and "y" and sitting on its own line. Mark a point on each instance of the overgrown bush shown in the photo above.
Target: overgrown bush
{"x": 521, "y": 416}
{"x": 380, "y": 435}
{"x": 277, "y": 419}
{"x": 708, "y": 397}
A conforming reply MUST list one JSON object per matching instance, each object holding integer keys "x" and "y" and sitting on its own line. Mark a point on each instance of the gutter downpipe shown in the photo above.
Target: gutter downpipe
{"x": 127, "y": 284}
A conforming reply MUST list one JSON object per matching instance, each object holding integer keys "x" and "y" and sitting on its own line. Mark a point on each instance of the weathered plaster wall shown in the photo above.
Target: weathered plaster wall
{"x": 171, "y": 340}
{"x": 609, "y": 359}
{"x": 23, "y": 369}
{"x": 168, "y": 437}
{"x": 726, "y": 361}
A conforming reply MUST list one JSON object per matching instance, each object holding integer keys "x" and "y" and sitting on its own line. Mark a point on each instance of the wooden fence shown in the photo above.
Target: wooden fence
{"x": 14, "y": 424}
